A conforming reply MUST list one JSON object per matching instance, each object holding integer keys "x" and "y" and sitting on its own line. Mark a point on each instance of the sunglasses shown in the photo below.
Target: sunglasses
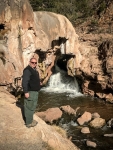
{"x": 33, "y": 62}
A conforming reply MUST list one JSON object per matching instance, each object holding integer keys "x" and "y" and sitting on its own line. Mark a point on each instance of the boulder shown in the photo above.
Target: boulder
{"x": 85, "y": 130}
{"x": 86, "y": 117}
{"x": 91, "y": 144}
{"x": 97, "y": 123}
{"x": 50, "y": 114}
{"x": 69, "y": 110}
{"x": 110, "y": 123}
{"x": 108, "y": 135}
{"x": 95, "y": 115}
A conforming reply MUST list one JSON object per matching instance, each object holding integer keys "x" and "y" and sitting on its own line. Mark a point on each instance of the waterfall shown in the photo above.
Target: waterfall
{"x": 60, "y": 82}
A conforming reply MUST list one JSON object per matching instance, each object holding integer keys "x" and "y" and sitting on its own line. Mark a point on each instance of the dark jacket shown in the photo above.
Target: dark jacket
{"x": 30, "y": 80}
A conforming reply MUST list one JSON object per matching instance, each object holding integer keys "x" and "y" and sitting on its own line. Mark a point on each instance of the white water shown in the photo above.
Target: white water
{"x": 60, "y": 82}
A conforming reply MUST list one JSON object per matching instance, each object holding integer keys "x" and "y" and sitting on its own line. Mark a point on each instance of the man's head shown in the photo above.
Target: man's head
{"x": 33, "y": 62}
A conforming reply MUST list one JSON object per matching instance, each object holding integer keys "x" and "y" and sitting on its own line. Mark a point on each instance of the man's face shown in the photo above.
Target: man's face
{"x": 33, "y": 63}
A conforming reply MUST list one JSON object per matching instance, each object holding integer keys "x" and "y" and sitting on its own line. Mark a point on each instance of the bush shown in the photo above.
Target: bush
{"x": 72, "y": 9}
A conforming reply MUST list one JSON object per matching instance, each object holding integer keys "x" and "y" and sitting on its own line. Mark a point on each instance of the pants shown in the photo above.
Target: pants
{"x": 30, "y": 104}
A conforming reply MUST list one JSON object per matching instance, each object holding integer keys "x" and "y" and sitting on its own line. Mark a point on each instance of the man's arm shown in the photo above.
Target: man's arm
{"x": 25, "y": 81}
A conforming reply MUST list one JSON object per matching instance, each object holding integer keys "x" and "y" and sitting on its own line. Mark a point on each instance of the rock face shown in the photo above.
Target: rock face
{"x": 24, "y": 34}
{"x": 96, "y": 47}
{"x": 14, "y": 17}
{"x": 52, "y": 39}
{"x": 96, "y": 69}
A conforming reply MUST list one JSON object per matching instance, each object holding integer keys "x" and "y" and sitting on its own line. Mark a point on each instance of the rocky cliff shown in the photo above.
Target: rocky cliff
{"x": 24, "y": 34}
{"x": 96, "y": 69}
{"x": 14, "y": 16}
{"x": 96, "y": 46}
{"x": 52, "y": 39}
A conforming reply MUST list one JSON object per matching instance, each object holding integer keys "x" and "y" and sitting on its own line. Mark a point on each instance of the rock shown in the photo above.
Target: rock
{"x": 11, "y": 99}
{"x": 69, "y": 110}
{"x": 86, "y": 117}
{"x": 108, "y": 135}
{"x": 110, "y": 123}
{"x": 97, "y": 123}
{"x": 109, "y": 97}
{"x": 50, "y": 114}
{"x": 91, "y": 144}
{"x": 85, "y": 130}
{"x": 95, "y": 115}
{"x": 94, "y": 58}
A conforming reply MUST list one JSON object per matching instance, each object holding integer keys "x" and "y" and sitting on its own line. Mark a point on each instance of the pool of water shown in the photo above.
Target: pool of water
{"x": 90, "y": 104}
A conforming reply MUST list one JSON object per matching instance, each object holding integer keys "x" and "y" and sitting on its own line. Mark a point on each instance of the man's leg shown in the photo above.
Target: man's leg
{"x": 30, "y": 106}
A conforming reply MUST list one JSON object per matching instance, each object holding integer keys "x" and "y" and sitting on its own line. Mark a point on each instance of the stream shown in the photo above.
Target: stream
{"x": 63, "y": 90}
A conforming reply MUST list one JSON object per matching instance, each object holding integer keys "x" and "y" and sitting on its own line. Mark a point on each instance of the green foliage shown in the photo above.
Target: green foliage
{"x": 94, "y": 23}
{"x": 72, "y": 9}
{"x": 102, "y": 6}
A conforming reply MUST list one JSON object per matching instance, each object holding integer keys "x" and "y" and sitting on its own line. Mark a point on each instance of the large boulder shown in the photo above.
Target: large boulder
{"x": 97, "y": 123}
{"x": 50, "y": 114}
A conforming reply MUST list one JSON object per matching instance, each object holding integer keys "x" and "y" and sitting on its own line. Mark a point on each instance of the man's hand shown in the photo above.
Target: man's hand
{"x": 26, "y": 95}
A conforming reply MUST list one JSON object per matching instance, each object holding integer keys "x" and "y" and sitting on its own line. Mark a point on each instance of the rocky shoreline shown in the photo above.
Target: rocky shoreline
{"x": 15, "y": 135}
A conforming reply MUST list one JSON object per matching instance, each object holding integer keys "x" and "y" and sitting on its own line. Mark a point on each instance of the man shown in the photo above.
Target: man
{"x": 31, "y": 86}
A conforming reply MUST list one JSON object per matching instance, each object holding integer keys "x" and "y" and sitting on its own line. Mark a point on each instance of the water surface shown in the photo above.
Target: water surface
{"x": 90, "y": 104}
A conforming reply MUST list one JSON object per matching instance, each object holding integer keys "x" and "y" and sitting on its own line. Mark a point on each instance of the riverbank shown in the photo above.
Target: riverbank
{"x": 15, "y": 135}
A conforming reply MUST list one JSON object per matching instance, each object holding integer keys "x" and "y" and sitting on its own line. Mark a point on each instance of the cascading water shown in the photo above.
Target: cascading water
{"x": 60, "y": 82}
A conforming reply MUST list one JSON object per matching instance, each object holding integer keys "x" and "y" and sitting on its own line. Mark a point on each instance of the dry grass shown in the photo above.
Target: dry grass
{"x": 46, "y": 146}
{"x": 60, "y": 130}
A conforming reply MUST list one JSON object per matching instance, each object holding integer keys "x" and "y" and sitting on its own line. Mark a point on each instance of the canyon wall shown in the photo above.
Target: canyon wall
{"x": 96, "y": 46}
{"x": 52, "y": 39}
{"x": 24, "y": 34}
{"x": 14, "y": 17}
{"x": 96, "y": 71}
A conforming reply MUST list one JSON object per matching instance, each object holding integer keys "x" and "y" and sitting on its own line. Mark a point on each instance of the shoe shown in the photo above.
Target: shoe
{"x": 33, "y": 124}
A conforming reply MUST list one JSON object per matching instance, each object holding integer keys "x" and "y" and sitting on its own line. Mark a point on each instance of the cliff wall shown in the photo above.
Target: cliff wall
{"x": 52, "y": 39}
